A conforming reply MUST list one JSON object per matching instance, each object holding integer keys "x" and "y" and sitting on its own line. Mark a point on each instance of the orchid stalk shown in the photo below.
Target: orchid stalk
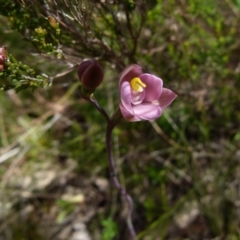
{"x": 111, "y": 123}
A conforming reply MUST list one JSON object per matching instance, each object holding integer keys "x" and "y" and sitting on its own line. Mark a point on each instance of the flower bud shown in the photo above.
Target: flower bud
{"x": 90, "y": 74}
{"x": 2, "y": 58}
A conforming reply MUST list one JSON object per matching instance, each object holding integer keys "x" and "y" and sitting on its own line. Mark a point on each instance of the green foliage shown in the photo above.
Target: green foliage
{"x": 109, "y": 229}
{"x": 20, "y": 76}
{"x": 237, "y": 3}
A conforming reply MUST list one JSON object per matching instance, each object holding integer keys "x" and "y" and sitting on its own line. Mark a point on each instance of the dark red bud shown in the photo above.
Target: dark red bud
{"x": 90, "y": 74}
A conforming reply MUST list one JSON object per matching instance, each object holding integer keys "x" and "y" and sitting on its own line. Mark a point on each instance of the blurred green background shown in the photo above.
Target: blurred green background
{"x": 182, "y": 170}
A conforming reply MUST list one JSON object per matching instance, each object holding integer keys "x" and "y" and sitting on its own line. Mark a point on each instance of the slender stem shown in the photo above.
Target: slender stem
{"x": 114, "y": 178}
{"x": 99, "y": 108}
{"x": 90, "y": 98}
{"x": 111, "y": 123}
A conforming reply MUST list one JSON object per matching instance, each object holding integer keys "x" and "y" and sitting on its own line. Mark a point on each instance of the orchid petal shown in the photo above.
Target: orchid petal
{"x": 129, "y": 73}
{"x": 126, "y": 96}
{"x": 166, "y": 98}
{"x": 147, "y": 111}
{"x": 153, "y": 88}
{"x": 128, "y": 115}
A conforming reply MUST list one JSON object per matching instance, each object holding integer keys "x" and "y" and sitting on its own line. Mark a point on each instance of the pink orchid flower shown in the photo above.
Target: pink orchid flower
{"x": 143, "y": 96}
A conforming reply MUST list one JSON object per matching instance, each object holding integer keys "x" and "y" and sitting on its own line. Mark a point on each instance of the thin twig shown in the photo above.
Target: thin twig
{"x": 64, "y": 73}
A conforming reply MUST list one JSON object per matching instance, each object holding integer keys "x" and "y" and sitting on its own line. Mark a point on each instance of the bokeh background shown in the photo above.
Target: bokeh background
{"x": 182, "y": 170}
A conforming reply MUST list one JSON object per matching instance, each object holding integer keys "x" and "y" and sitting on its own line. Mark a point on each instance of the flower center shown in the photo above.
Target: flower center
{"x": 137, "y": 85}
